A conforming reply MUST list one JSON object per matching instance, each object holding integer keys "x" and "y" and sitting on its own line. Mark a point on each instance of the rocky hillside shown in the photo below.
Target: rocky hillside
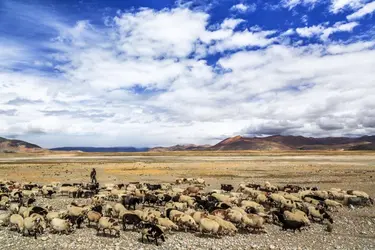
{"x": 14, "y": 146}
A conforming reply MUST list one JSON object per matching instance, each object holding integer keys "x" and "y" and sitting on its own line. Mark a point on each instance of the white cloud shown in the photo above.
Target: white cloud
{"x": 310, "y": 31}
{"x": 290, "y": 4}
{"x": 243, "y": 39}
{"x": 123, "y": 84}
{"x": 335, "y": 6}
{"x": 354, "y": 47}
{"x": 324, "y": 32}
{"x": 244, "y": 8}
{"x": 365, "y": 10}
{"x": 339, "y": 5}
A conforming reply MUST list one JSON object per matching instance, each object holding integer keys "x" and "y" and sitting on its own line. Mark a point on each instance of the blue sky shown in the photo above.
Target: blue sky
{"x": 147, "y": 73}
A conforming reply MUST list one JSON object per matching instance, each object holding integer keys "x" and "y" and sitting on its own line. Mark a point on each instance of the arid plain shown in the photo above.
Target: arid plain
{"x": 353, "y": 229}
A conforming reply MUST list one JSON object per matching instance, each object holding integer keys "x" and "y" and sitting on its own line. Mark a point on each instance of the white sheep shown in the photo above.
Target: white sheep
{"x": 253, "y": 221}
{"x": 187, "y": 222}
{"x": 297, "y": 215}
{"x": 209, "y": 226}
{"x": 93, "y": 216}
{"x": 60, "y": 225}
{"x": 32, "y": 225}
{"x": 16, "y": 221}
{"x": 106, "y": 223}
{"x": 4, "y": 219}
{"x": 227, "y": 227}
{"x": 166, "y": 223}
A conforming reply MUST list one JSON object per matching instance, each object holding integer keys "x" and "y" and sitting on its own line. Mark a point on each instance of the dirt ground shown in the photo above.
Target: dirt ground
{"x": 354, "y": 229}
{"x": 347, "y": 171}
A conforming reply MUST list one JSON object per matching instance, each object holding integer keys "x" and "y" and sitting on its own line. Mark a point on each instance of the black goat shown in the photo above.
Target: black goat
{"x": 227, "y": 187}
{"x": 28, "y": 202}
{"x": 152, "y": 231}
{"x": 166, "y": 198}
{"x": 153, "y": 187}
{"x": 150, "y": 199}
{"x": 129, "y": 201}
{"x": 288, "y": 224}
{"x": 38, "y": 210}
{"x": 131, "y": 219}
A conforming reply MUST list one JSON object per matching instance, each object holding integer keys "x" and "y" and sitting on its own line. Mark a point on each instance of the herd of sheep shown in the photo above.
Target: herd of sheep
{"x": 157, "y": 209}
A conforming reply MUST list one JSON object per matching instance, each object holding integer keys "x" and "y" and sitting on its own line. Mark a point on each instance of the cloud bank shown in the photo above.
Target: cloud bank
{"x": 147, "y": 77}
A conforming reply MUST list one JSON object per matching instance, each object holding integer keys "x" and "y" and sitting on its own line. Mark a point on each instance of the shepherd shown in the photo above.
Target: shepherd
{"x": 93, "y": 176}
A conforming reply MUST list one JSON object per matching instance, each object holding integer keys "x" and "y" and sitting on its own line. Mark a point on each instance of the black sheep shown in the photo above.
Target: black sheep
{"x": 166, "y": 198}
{"x": 153, "y": 187}
{"x": 152, "y": 231}
{"x": 227, "y": 187}
{"x": 29, "y": 202}
{"x": 38, "y": 210}
{"x": 288, "y": 224}
{"x": 131, "y": 219}
{"x": 150, "y": 199}
{"x": 129, "y": 201}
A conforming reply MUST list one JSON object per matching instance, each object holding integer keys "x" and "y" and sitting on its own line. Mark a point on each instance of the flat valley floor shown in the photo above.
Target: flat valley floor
{"x": 354, "y": 229}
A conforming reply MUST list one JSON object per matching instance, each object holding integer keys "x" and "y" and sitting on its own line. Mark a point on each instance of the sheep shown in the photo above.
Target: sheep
{"x": 14, "y": 208}
{"x": 32, "y": 225}
{"x": 171, "y": 214}
{"x": 152, "y": 231}
{"x": 187, "y": 199}
{"x": 77, "y": 211}
{"x": 4, "y": 219}
{"x": 227, "y": 227}
{"x": 34, "y": 210}
{"x": 51, "y": 215}
{"x": 131, "y": 219}
{"x": 227, "y": 187}
{"x": 119, "y": 209}
{"x": 320, "y": 215}
{"x": 60, "y": 225}
{"x": 358, "y": 193}
{"x": 252, "y": 204}
{"x": 166, "y": 223}
{"x": 261, "y": 198}
{"x": 288, "y": 224}
{"x": 106, "y": 223}
{"x": 332, "y": 204}
{"x": 198, "y": 216}
{"x": 16, "y": 221}
{"x": 191, "y": 190}
{"x": 187, "y": 222}
{"x": 209, "y": 226}
{"x": 221, "y": 197}
{"x": 253, "y": 221}
{"x": 297, "y": 215}
{"x": 156, "y": 213}
{"x": 93, "y": 216}
{"x": 177, "y": 205}
{"x": 234, "y": 216}
{"x": 4, "y": 202}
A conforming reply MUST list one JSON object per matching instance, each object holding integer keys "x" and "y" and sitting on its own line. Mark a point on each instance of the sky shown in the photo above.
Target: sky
{"x": 162, "y": 72}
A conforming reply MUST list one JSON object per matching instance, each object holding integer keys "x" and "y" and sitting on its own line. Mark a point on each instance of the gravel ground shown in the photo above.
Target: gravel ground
{"x": 353, "y": 229}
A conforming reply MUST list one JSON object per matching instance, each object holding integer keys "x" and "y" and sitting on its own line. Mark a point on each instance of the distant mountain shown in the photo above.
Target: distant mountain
{"x": 14, "y": 146}
{"x": 279, "y": 142}
{"x": 187, "y": 147}
{"x": 101, "y": 149}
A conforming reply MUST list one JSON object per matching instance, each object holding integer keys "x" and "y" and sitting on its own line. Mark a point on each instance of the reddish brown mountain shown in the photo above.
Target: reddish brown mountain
{"x": 14, "y": 146}
{"x": 279, "y": 142}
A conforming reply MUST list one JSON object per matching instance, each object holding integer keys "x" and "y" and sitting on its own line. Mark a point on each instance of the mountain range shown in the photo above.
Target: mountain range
{"x": 269, "y": 143}
{"x": 14, "y": 146}
{"x": 279, "y": 142}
